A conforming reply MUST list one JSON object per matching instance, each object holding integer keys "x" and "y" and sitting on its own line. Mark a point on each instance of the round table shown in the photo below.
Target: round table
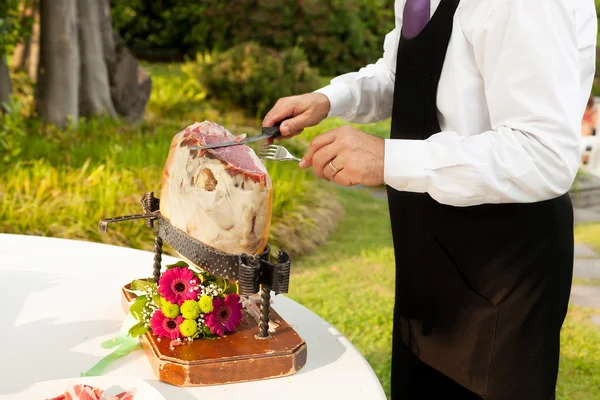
{"x": 62, "y": 298}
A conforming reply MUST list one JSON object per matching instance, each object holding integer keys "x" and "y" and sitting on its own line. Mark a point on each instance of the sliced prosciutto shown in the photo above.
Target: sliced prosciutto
{"x": 81, "y": 392}
{"x": 128, "y": 395}
{"x": 86, "y": 392}
{"x": 221, "y": 197}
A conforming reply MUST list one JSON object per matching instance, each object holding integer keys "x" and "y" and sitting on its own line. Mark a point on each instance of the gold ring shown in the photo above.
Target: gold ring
{"x": 334, "y": 169}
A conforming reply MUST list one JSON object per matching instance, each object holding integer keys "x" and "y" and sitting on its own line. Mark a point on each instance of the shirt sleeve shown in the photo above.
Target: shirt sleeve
{"x": 527, "y": 53}
{"x": 367, "y": 95}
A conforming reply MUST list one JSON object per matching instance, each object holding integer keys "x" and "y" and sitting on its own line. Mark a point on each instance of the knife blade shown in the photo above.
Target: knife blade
{"x": 267, "y": 132}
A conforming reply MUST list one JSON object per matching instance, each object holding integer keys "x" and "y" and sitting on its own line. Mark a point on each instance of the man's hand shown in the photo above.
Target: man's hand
{"x": 307, "y": 110}
{"x": 356, "y": 157}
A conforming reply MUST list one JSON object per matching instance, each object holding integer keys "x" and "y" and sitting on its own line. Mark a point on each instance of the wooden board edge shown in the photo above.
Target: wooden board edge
{"x": 194, "y": 375}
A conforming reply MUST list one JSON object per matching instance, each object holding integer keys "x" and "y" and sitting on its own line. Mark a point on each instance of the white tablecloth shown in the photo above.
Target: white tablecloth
{"x": 61, "y": 298}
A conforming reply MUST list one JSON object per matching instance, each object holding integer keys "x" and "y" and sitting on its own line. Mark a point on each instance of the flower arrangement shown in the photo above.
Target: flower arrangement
{"x": 185, "y": 305}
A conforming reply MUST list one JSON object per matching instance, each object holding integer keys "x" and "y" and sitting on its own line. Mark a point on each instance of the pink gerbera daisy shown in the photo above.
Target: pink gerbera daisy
{"x": 226, "y": 315}
{"x": 165, "y": 327}
{"x": 177, "y": 285}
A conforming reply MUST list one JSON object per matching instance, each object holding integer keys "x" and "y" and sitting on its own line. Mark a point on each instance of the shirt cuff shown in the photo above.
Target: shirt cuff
{"x": 404, "y": 165}
{"x": 340, "y": 99}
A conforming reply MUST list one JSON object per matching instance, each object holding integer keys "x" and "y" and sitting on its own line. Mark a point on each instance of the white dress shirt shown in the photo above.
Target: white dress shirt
{"x": 511, "y": 98}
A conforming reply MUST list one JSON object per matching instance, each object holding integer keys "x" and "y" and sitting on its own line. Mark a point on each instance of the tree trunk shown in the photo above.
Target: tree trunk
{"x": 94, "y": 88}
{"x": 130, "y": 85}
{"x": 5, "y": 87}
{"x": 33, "y": 55}
{"x": 58, "y": 73}
{"x": 21, "y": 53}
{"x": 108, "y": 41}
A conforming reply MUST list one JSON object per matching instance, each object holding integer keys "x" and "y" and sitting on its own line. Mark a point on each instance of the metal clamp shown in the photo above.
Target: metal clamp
{"x": 253, "y": 273}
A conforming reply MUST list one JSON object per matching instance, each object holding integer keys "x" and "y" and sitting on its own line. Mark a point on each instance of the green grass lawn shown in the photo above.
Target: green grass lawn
{"x": 349, "y": 282}
{"x": 586, "y": 282}
{"x": 589, "y": 234}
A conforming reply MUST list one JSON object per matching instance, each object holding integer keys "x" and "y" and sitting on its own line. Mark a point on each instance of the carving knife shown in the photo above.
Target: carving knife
{"x": 267, "y": 132}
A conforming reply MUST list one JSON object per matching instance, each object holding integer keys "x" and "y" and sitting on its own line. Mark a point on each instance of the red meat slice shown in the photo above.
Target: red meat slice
{"x": 84, "y": 392}
{"x": 128, "y": 395}
{"x": 61, "y": 397}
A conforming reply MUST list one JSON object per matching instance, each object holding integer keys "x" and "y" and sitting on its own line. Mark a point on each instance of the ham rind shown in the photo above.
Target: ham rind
{"x": 221, "y": 197}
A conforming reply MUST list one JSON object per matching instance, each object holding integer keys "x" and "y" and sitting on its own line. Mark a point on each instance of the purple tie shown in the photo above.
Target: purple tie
{"x": 415, "y": 17}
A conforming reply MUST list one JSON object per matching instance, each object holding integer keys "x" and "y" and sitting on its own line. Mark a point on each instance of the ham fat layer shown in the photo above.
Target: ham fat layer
{"x": 221, "y": 197}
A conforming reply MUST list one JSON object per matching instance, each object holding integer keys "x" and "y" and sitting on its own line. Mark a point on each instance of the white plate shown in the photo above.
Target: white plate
{"x": 110, "y": 384}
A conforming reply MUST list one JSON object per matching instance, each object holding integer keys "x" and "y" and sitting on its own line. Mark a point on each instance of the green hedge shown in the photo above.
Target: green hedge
{"x": 10, "y": 30}
{"x": 337, "y": 35}
{"x": 255, "y": 77}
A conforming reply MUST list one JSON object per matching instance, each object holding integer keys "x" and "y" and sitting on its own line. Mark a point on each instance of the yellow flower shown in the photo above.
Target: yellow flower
{"x": 170, "y": 310}
{"x": 206, "y": 304}
{"x": 190, "y": 309}
{"x": 188, "y": 328}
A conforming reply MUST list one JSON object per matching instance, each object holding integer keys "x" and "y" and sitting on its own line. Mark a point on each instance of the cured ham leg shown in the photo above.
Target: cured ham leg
{"x": 221, "y": 197}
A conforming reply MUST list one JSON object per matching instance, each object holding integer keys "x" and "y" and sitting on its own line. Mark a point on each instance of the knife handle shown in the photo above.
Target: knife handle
{"x": 273, "y": 131}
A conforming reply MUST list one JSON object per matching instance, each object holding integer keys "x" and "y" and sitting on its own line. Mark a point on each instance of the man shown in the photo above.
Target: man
{"x": 486, "y": 99}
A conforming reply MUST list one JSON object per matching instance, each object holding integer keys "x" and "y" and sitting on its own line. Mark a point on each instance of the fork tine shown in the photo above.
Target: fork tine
{"x": 270, "y": 148}
{"x": 275, "y": 152}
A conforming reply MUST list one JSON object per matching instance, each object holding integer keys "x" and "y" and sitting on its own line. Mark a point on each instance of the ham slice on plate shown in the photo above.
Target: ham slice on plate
{"x": 128, "y": 395}
{"x": 86, "y": 392}
{"x": 109, "y": 387}
{"x": 221, "y": 197}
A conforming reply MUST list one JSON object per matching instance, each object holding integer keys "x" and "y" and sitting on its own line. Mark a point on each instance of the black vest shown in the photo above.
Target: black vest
{"x": 482, "y": 291}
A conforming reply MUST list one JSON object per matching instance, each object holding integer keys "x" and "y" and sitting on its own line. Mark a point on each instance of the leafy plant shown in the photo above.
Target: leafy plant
{"x": 10, "y": 30}
{"x": 254, "y": 77}
{"x": 12, "y": 131}
{"x": 338, "y": 35}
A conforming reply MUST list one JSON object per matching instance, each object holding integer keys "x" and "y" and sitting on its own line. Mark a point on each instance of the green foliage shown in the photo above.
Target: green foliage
{"x": 254, "y": 77}
{"x": 12, "y": 27}
{"x": 337, "y": 35}
{"x": 138, "y": 307}
{"x": 9, "y": 14}
{"x": 138, "y": 329}
{"x": 13, "y": 128}
{"x": 162, "y": 27}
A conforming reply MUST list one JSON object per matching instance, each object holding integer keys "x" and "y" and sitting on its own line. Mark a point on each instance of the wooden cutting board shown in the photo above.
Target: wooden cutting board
{"x": 236, "y": 357}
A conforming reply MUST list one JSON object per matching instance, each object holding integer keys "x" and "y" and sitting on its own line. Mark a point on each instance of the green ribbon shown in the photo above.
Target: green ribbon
{"x": 126, "y": 345}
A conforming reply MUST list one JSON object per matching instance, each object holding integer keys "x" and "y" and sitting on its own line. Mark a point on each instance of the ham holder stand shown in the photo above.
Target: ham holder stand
{"x": 253, "y": 352}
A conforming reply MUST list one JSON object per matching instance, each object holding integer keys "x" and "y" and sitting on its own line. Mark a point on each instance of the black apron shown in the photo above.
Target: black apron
{"x": 481, "y": 291}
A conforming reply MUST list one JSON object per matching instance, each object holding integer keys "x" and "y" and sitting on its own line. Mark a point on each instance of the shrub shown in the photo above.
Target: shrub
{"x": 338, "y": 35}
{"x": 12, "y": 27}
{"x": 12, "y": 131}
{"x": 254, "y": 77}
